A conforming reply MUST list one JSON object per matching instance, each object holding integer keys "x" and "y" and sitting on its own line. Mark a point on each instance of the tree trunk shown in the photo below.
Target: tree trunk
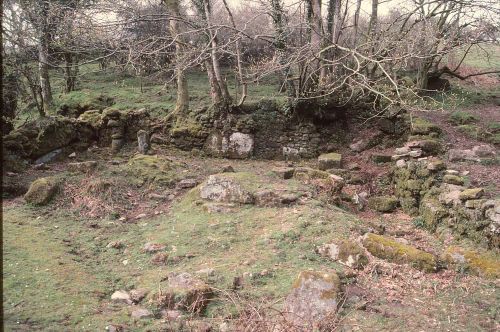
{"x": 372, "y": 30}
{"x": 214, "y": 54}
{"x": 356, "y": 23}
{"x": 70, "y": 72}
{"x": 281, "y": 49}
{"x": 238, "y": 58}
{"x": 182, "y": 102}
{"x": 317, "y": 38}
{"x": 43, "y": 59}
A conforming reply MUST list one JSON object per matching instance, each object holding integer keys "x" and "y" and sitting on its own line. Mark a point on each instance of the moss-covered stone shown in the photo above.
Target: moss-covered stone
{"x": 481, "y": 264}
{"x": 329, "y": 160}
{"x": 153, "y": 169}
{"x": 473, "y": 193}
{"x": 430, "y": 146}
{"x": 42, "y": 191}
{"x": 436, "y": 165}
{"x": 182, "y": 291}
{"x": 420, "y": 126}
{"x": 453, "y": 179}
{"x": 383, "y": 203}
{"x": 396, "y": 252}
{"x": 314, "y": 296}
{"x": 346, "y": 252}
{"x": 432, "y": 212}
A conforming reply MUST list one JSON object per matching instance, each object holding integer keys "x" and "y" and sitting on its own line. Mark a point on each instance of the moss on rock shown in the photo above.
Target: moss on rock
{"x": 383, "y": 203}
{"x": 42, "y": 191}
{"x": 473, "y": 193}
{"x": 329, "y": 160}
{"x": 422, "y": 126}
{"x": 396, "y": 252}
{"x": 481, "y": 264}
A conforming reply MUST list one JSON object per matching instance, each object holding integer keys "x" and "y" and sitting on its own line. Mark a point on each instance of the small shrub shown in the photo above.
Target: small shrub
{"x": 462, "y": 118}
{"x": 419, "y": 223}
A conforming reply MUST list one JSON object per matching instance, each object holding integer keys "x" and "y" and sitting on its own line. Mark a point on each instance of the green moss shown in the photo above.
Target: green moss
{"x": 94, "y": 118}
{"x": 153, "y": 169}
{"x": 329, "y": 160}
{"x": 462, "y": 118}
{"x": 420, "y": 126}
{"x": 42, "y": 191}
{"x": 432, "y": 212}
{"x": 383, "y": 203}
{"x": 453, "y": 179}
{"x": 482, "y": 264}
{"x": 473, "y": 193}
{"x": 387, "y": 248}
{"x": 349, "y": 248}
{"x": 330, "y": 277}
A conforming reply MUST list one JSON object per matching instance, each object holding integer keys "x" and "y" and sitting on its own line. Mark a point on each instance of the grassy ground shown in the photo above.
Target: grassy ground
{"x": 59, "y": 273}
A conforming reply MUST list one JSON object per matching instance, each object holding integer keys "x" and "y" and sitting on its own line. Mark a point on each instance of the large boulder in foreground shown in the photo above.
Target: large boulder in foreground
{"x": 42, "y": 191}
{"x": 182, "y": 291}
{"x": 313, "y": 301}
{"x": 389, "y": 249}
{"x": 229, "y": 188}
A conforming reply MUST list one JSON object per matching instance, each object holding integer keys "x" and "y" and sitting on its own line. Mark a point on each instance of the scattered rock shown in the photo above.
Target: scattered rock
{"x": 72, "y": 155}
{"x": 402, "y": 150}
{"x": 271, "y": 198}
{"x": 436, "y": 165}
{"x": 383, "y": 203}
{"x": 388, "y": 248}
{"x": 141, "y": 215}
{"x": 473, "y": 193}
{"x": 219, "y": 207}
{"x": 227, "y": 169}
{"x": 141, "y": 313}
{"x": 183, "y": 291}
{"x": 346, "y": 252}
{"x": 226, "y": 187}
{"x": 187, "y": 183}
{"x": 482, "y": 264}
{"x": 453, "y": 179}
{"x": 41, "y": 167}
{"x": 420, "y": 126}
{"x": 208, "y": 272}
{"x": 450, "y": 195}
{"x": 153, "y": 247}
{"x": 171, "y": 315}
{"x": 160, "y": 258}
{"x": 84, "y": 166}
{"x": 42, "y": 191}
{"x": 121, "y": 296}
{"x": 47, "y": 158}
{"x": 461, "y": 155}
{"x": 329, "y": 160}
{"x": 137, "y": 295}
{"x": 361, "y": 200}
{"x": 401, "y": 163}
{"x": 484, "y": 151}
{"x": 284, "y": 172}
{"x": 313, "y": 300}
{"x": 115, "y": 244}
